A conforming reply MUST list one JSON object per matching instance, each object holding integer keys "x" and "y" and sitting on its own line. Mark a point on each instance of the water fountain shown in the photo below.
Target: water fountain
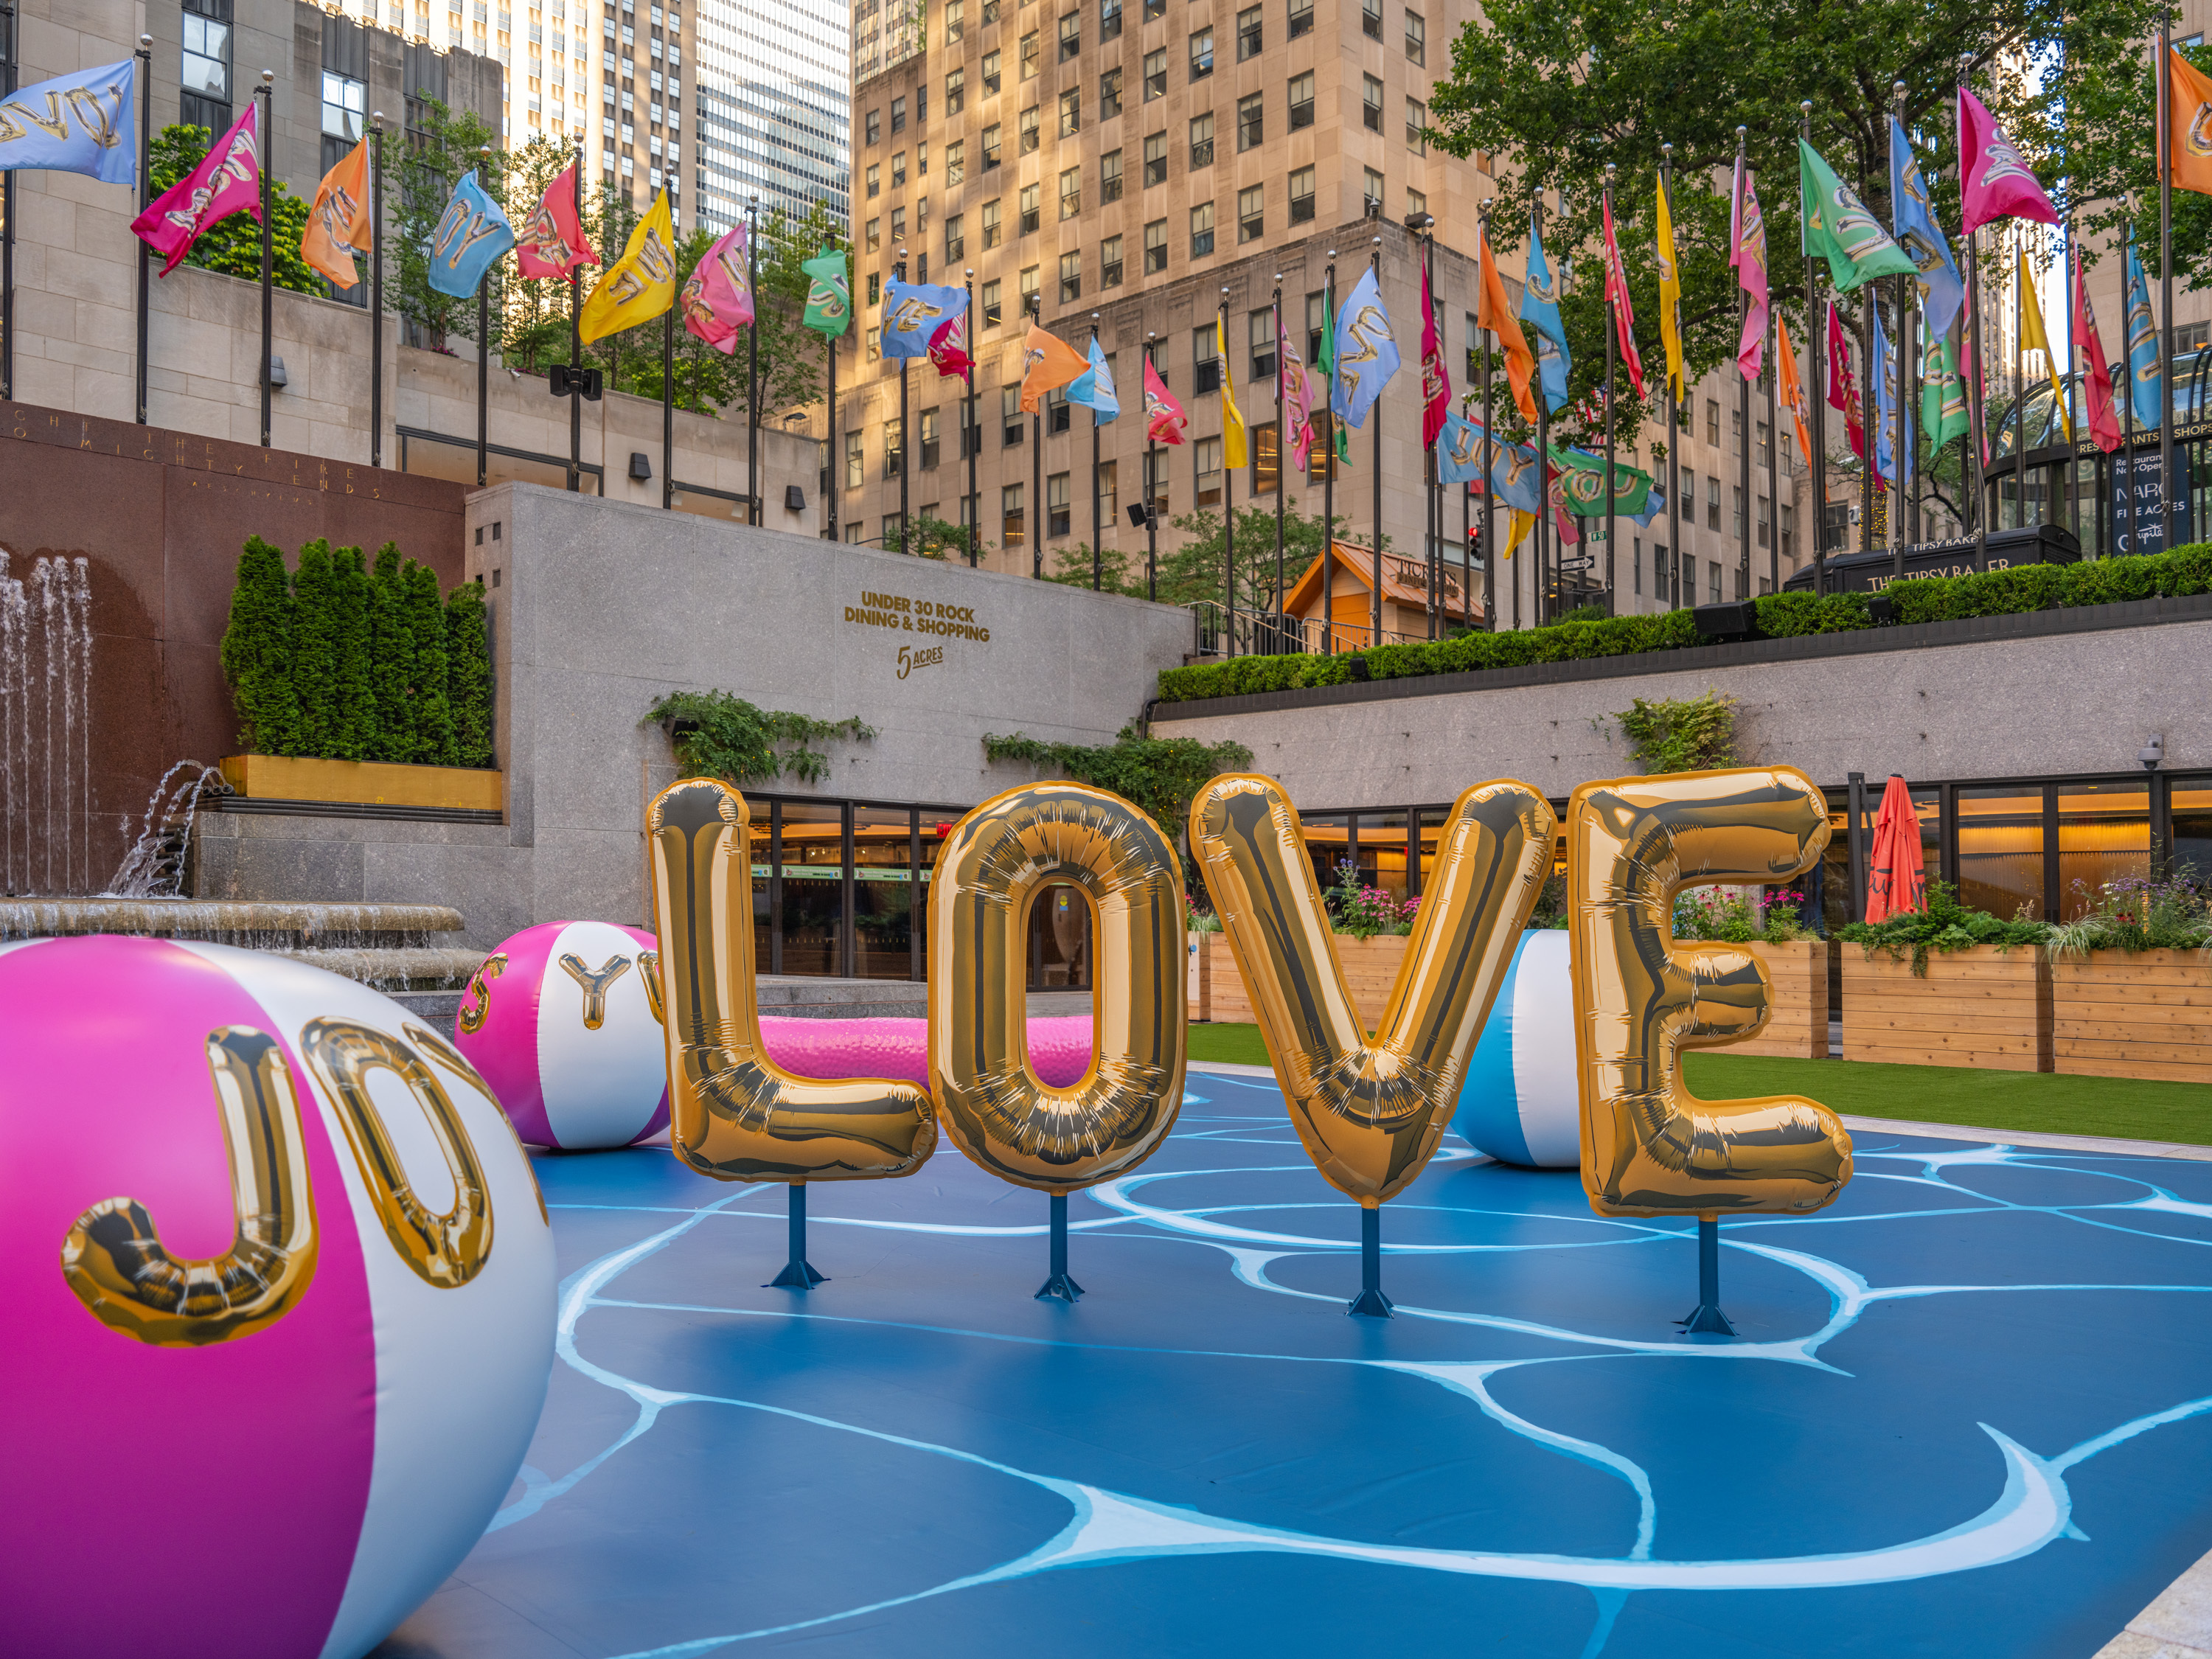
{"x": 46, "y": 727}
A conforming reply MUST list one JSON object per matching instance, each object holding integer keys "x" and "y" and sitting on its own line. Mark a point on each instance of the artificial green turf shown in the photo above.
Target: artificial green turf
{"x": 2040, "y": 1102}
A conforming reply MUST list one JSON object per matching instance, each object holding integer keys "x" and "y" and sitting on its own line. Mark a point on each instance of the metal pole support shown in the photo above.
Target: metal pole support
{"x": 1371, "y": 1303}
{"x": 798, "y": 1273}
{"x": 1708, "y": 1319}
{"x": 1059, "y": 1287}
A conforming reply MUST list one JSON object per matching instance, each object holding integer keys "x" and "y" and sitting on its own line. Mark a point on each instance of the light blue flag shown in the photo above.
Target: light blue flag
{"x": 1540, "y": 309}
{"x": 1913, "y": 220}
{"x": 1094, "y": 388}
{"x": 1654, "y": 505}
{"x": 1459, "y": 449}
{"x": 914, "y": 312}
{"x": 471, "y": 234}
{"x": 1885, "y": 403}
{"x": 79, "y": 123}
{"x": 1366, "y": 351}
{"x": 1514, "y": 477}
{"x": 2146, "y": 380}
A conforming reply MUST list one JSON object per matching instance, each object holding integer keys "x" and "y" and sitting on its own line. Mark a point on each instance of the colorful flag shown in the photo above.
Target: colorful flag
{"x": 914, "y": 312}
{"x": 639, "y": 286}
{"x": 1997, "y": 182}
{"x": 1233, "y": 450}
{"x": 1324, "y": 381}
{"x": 1049, "y": 363}
{"x": 1539, "y": 308}
{"x": 1093, "y": 389}
{"x": 1494, "y": 313}
{"x": 2145, "y": 378}
{"x": 1670, "y": 299}
{"x": 2187, "y": 124}
{"x": 948, "y": 347}
{"x": 471, "y": 233}
{"x": 2104, "y": 422}
{"x": 1459, "y": 449}
{"x": 1583, "y": 484}
{"x": 1843, "y": 385}
{"x": 339, "y": 220}
{"x": 1513, "y": 479}
{"x": 717, "y": 298}
{"x": 1522, "y": 523}
{"x": 2032, "y": 338}
{"x": 1564, "y": 525}
{"x": 1749, "y": 257}
{"x": 1366, "y": 352}
{"x": 1654, "y": 505}
{"x": 829, "y": 294}
{"x": 1436, "y": 386}
{"x": 1886, "y": 450}
{"x": 1913, "y": 218}
{"x": 1165, "y": 420}
{"x": 550, "y": 241}
{"x": 1836, "y": 225}
{"x": 1624, "y": 315}
{"x": 89, "y": 124}
{"x": 227, "y": 180}
{"x": 1793, "y": 391}
{"x": 1296, "y": 412}
{"x": 1943, "y": 396}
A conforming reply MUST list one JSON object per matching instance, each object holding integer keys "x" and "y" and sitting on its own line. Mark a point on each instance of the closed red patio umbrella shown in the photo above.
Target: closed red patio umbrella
{"x": 1897, "y": 881}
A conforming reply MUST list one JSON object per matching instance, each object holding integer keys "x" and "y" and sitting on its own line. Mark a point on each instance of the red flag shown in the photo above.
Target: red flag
{"x": 550, "y": 243}
{"x": 1435, "y": 388}
{"x": 227, "y": 180}
{"x": 1165, "y": 420}
{"x": 1842, "y": 389}
{"x": 2104, "y": 424}
{"x": 1564, "y": 522}
{"x": 1624, "y": 317}
{"x": 948, "y": 348}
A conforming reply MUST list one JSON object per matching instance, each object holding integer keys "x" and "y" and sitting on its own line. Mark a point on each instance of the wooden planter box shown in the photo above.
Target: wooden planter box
{"x": 364, "y": 783}
{"x": 1982, "y": 1007}
{"x": 1199, "y": 985}
{"x": 2133, "y": 1014}
{"x": 1370, "y": 969}
{"x": 1799, "y": 1025}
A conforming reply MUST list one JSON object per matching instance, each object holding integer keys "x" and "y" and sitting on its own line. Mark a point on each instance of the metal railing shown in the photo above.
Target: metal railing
{"x": 1264, "y": 633}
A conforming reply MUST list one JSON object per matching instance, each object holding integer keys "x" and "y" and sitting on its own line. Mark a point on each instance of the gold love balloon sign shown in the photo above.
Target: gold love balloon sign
{"x": 1649, "y": 1146}
{"x": 1370, "y": 1112}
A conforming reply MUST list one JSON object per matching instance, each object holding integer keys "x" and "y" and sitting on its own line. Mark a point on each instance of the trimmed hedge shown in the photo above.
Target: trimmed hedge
{"x": 1781, "y": 616}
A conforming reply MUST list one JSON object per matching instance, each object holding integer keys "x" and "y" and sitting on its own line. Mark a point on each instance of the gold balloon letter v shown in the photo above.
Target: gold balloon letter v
{"x": 733, "y": 1113}
{"x": 1371, "y": 1111}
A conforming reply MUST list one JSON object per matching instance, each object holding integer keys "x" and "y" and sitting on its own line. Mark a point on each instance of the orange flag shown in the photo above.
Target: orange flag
{"x": 1793, "y": 392}
{"x": 2189, "y": 125}
{"x": 1495, "y": 313}
{"x": 339, "y": 219}
{"x": 1048, "y": 362}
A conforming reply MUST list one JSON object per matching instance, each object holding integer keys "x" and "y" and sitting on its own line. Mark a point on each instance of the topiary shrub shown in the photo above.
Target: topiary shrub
{"x": 315, "y": 651}
{"x": 468, "y": 675}
{"x": 426, "y": 623}
{"x": 256, "y": 652}
{"x": 353, "y": 701}
{"x": 391, "y": 658}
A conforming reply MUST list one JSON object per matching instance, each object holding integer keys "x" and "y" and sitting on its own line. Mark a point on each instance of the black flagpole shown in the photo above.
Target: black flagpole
{"x": 1612, "y": 313}
{"x": 1773, "y": 457}
{"x": 1742, "y": 399}
{"x": 1097, "y": 528}
{"x": 1228, "y": 483}
{"x": 376, "y": 291}
{"x": 1328, "y": 476}
{"x": 1489, "y": 450}
{"x": 145, "y": 56}
{"x": 1033, "y": 515}
{"x": 1375, "y": 415}
{"x": 1900, "y": 437}
{"x": 2165, "y": 131}
{"x": 1282, "y": 455}
{"x": 576, "y": 343}
{"x": 1432, "y": 481}
{"x": 1816, "y": 346}
{"x": 754, "y": 515}
{"x": 1151, "y": 465}
{"x": 906, "y": 442}
{"x": 1662, "y": 569}
{"x": 8, "y": 223}
{"x": 971, "y": 439}
{"x": 268, "y": 322}
{"x": 668, "y": 410}
{"x": 835, "y": 468}
{"x": 483, "y": 360}
{"x": 1467, "y": 538}
{"x": 1544, "y": 524}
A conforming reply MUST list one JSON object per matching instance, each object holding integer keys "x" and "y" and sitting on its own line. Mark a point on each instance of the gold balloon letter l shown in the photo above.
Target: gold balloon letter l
{"x": 1649, "y": 1146}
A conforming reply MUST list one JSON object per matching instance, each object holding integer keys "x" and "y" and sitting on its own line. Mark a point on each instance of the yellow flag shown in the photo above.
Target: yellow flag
{"x": 1522, "y": 524}
{"x": 339, "y": 219}
{"x": 1670, "y": 300}
{"x": 2032, "y": 338}
{"x": 639, "y": 286}
{"x": 1232, "y": 418}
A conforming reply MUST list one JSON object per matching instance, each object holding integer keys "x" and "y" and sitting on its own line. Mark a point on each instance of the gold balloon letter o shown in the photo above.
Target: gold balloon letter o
{"x": 994, "y": 1107}
{"x": 1649, "y": 1146}
{"x": 733, "y": 1113}
{"x": 1371, "y": 1112}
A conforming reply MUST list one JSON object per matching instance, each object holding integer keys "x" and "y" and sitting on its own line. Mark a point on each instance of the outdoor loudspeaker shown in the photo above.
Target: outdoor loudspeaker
{"x": 641, "y": 466}
{"x": 565, "y": 380}
{"x": 794, "y": 499}
{"x": 1137, "y": 514}
{"x": 1737, "y": 619}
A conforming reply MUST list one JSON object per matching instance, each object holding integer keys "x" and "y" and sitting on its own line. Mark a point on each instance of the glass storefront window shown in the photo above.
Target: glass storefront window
{"x": 1059, "y": 939}
{"x": 882, "y": 892}
{"x": 813, "y": 910}
{"x": 2000, "y": 851}
{"x": 2104, "y": 833}
{"x": 1427, "y": 826}
{"x": 1382, "y": 853}
{"x": 2191, "y": 805}
{"x": 1328, "y": 843}
{"x": 761, "y": 838}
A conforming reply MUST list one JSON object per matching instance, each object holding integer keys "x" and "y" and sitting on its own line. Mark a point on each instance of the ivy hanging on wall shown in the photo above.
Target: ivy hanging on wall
{"x": 1160, "y": 775}
{"x": 716, "y": 734}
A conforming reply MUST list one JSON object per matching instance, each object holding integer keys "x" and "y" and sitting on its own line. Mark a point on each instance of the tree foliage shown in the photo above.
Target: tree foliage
{"x": 426, "y": 166}
{"x": 716, "y": 734}
{"x": 256, "y": 650}
{"x": 1198, "y": 569}
{"x": 315, "y": 652}
{"x": 468, "y": 675}
{"x": 1680, "y": 734}
{"x": 391, "y": 646}
{"x": 233, "y": 245}
{"x": 1159, "y": 775}
{"x": 434, "y": 715}
{"x": 353, "y": 732}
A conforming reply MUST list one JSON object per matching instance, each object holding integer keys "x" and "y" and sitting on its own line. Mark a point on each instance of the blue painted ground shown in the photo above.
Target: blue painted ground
{"x": 1970, "y": 1412}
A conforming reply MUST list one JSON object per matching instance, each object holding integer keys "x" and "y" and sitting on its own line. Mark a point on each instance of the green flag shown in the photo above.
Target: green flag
{"x": 1837, "y": 225}
{"x": 1324, "y": 375}
{"x": 1942, "y": 398}
{"x": 1582, "y": 483}
{"x": 829, "y": 298}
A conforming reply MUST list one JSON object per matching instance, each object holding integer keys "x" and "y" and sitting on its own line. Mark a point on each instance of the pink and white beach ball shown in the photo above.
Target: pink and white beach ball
{"x": 283, "y": 1303}
{"x": 562, "y": 1022}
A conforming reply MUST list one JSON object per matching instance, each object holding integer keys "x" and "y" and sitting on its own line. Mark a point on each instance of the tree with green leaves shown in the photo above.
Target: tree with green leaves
{"x": 441, "y": 148}
{"x": 353, "y": 730}
{"x": 315, "y": 651}
{"x": 233, "y": 245}
{"x": 392, "y": 639}
{"x": 426, "y": 624}
{"x": 468, "y": 675}
{"x": 257, "y": 651}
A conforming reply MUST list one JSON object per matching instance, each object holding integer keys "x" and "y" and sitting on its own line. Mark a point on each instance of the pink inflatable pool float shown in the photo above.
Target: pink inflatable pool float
{"x": 1059, "y": 1048}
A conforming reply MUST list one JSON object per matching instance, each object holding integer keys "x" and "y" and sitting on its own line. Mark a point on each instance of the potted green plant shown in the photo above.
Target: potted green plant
{"x": 2132, "y": 981}
{"x": 1948, "y": 986}
{"x": 1763, "y": 921}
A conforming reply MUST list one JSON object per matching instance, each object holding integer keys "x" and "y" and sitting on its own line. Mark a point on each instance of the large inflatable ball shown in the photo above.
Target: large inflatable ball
{"x": 1059, "y": 1048}
{"x": 563, "y": 1021}
{"x": 1519, "y": 1102}
{"x": 281, "y": 1304}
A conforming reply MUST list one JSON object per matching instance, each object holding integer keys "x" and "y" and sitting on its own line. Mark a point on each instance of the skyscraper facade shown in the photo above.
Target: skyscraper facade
{"x": 773, "y": 108}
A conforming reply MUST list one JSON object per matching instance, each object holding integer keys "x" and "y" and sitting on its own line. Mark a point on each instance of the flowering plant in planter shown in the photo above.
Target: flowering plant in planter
{"x": 1363, "y": 912}
{"x": 2138, "y": 912}
{"x": 1945, "y": 925}
{"x": 1724, "y": 914}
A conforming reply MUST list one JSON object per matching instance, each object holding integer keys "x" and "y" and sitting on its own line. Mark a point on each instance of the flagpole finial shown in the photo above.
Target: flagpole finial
{"x": 1668, "y": 149}
{"x": 145, "y": 42}
{"x": 269, "y": 77}
{"x": 1897, "y": 90}
{"x": 376, "y": 119}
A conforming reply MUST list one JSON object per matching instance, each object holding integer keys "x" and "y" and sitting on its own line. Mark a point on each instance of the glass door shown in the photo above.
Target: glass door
{"x": 882, "y": 892}
{"x": 812, "y": 913}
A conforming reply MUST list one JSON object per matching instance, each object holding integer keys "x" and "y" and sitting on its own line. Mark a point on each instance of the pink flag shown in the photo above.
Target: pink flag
{"x": 227, "y": 180}
{"x": 1436, "y": 389}
{"x": 717, "y": 298}
{"x": 1624, "y": 317}
{"x": 1296, "y": 399}
{"x": 2104, "y": 425}
{"x": 1842, "y": 387}
{"x": 550, "y": 243}
{"x": 1749, "y": 258}
{"x": 948, "y": 348}
{"x": 1997, "y": 182}
{"x": 1165, "y": 420}
{"x": 1568, "y": 526}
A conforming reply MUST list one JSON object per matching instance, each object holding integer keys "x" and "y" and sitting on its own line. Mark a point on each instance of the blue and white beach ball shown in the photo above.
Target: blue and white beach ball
{"x": 1519, "y": 1102}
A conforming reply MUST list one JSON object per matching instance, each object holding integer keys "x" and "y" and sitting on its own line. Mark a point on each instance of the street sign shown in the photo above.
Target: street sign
{"x": 1576, "y": 564}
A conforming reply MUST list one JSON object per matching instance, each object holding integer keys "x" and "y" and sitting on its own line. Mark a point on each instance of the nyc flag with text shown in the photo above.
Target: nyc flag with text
{"x": 639, "y": 286}
{"x": 227, "y": 180}
{"x": 84, "y": 123}
{"x": 717, "y": 300}
{"x": 471, "y": 233}
{"x": 338, "y": 224}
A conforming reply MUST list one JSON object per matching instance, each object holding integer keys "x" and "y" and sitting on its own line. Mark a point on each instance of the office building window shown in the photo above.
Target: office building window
{"x": 1251, "y": 218}
{"x": 1302, "y": 100}
{"x": 1301, "y": 196}
{"x": 1370, "y": 192}
{"x": 1070, "y": 36}
{"x": 1071, "y": 112}
{"x": 345, "y": 104}
{"x": 1155, "y": 247}
{"x": 1417, "y": 126}
{"x": 1156, "y": 159}
{"x": 1031, "y": 213}
{"x": 1156, "y": 75}
{"x": 990, "y": 147}
{"x": 956, "y": 91}
{"x": 1030, "y": 130}
{"x": 1417, "y": 202}
{"x": 1201, "y": 54}
{"x": 1071, "y": 277}
{"x": 1201, "y": 141}
{"x": 1712, "y": 503}
{"x": 1010, "y": 516}
{"x": 955, "y": 238}
{"x": 1201, "y": 230}
{"x": 205, "y": 76}
{"x": 1737, "y": 491}
{"x": 1370, "y": 102}
{"x": 1266, "y": 461}
{"x": 1713, "y": 566}
{"x": 1300, "y": 18}
{"x": 856, "y": 461}
{"x": 1012, "y": 423}
{"x": 1071, "y": 193}
{"x": 956, "y": 161}
{"x": 1206, "y": 463}
{"x": 1260, "y": 335}
{"x": 873, "y": 236}
{"x": 929, "y": 441}
{"x": 1110, "y": 20}
{"x": 1109, "y": 94}
{"x": 1636, "y": 566}
{"x": 1764, "y": 531}
{"x": 874, "y": 122}
{"x": 1206, "y": 362}
{"x": 1788, "y": 527}
{"x": 1713, "y": 424}
{"x": 1417, "y": 37}
{"x": 1029, "y": 281}
{"x": 1055, "y": 501}
{"x": 898, "y": 116}
{"x": 1109, "y": 492}
{"x": 989, "y": 302}
{"x": 875, "y": 289}
{"x": 898, "y": 222}
{"x": 1250, "y": 124}
{"x": 956, "y": 23}
{"x": 1109, "y": 176}
{"x": 894, "y": 449}
{"x": 1110, "y": 263}
{"x": 1029, "y": 59}
{"x": 1370, "y": 19}
{"x": 1156, "y": 484}
{"x": 991, "y": 77}
{"x": 990, "y": 228}
{"x": 1056, "y": 409}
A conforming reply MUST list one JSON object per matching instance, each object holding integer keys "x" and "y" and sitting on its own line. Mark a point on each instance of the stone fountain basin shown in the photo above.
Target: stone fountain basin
{"x": 226, "y": 921}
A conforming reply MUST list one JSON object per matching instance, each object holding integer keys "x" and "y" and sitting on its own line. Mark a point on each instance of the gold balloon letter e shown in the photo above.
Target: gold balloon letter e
{"x": 1649, "y": 1146}
{"x": 1370, "y": 1113}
